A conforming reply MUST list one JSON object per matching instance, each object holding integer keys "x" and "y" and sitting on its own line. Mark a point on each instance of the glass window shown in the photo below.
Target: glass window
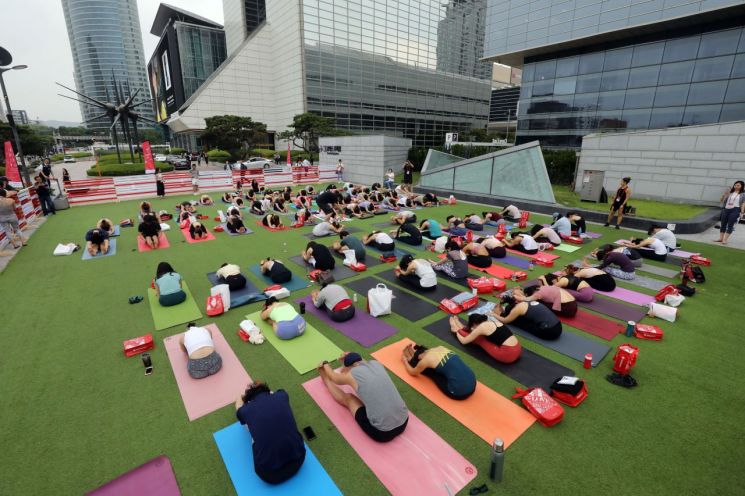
{"x": 588, "y": 84}
{"x": 528, "y": 72}
{"x": 701, "y": 114}
{"x": 666, "y": 117}
{"x": 732, "y": 112}
{"x": 586, "y": 101}
{"x": 565, "y": 86}
{"x": 543, "y": 88}
{"x": 643, "y": 76}
{"x": 679, "y": 72}
{"x": 591, "y": 62}
{"x": 738, "y": 69}
{"x": 617, "y": 59}
{"x": 567, "y": 67}
{"x": 713, "y": 68}
{"x": 641, "y": 98}
{"x": 614, "y": 80}
{"x": 611, "y": 120}
{"x": 736, "y": 91}
{"x": 649, "y": 54}
{"x": 611, "y": 100}
{"x": 720, "y": 43}
{"x": 703, "y": 93}
{"x": 520, "y": 174}
{"x": 671, "y": 96}
{"x": 440, "y": 179}
{"x": 471, "y": 177}
{"x": 545, "y": 70}
{"x": 681, "y": 49}
{"x": 637, "y": 119}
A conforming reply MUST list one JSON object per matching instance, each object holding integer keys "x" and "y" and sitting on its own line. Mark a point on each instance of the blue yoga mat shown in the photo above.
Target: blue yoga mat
{"x": 248, "y": 294}
{"x": 112, "y": 251}
{"x": 515, "y": 261}
{"x": 295, "y": 283}
{"x": 234, "y": 444}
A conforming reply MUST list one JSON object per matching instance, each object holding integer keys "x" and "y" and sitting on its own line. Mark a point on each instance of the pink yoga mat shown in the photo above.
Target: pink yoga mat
{"x": 162, "y": 243}
{"x": 203, "y": 396}
{"x": 186, "y": 234}
{"x": 154, "y": 478}
{"x": 630, "y": 296}
{"x": 416, "y": 462}
{"x": 675, "y": 253}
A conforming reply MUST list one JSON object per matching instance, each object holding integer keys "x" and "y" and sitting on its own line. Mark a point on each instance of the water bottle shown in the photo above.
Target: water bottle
{"x": 530, "y": 265}
{"x": 496, "y": 469}
{"x": 354, "y": 297}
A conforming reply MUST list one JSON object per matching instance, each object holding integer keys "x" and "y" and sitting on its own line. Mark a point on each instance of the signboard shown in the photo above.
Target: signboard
{"x": 148, "y": 154}
{"x": 161, "y": 86}
{"x": 451, "y": 137}
{"x": 11, "y": 166}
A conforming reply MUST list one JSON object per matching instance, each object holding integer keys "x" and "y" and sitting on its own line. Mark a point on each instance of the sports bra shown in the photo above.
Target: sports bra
{"x": 500, "y": 335}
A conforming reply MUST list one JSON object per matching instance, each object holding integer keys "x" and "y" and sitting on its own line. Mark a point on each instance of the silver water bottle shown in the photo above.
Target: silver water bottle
{"x": 496, "y": 469}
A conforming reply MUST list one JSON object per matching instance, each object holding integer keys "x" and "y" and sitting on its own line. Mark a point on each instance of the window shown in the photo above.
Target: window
{"x": 617, "y": 59}
{"x": 641, "y": 98}
{"x": 738, "y": 69}
{"x": 567, "y": 67}
{"x": 643, "y": 76}
{"x": 670, "y": 96}
{"x": 732, "y": 112}
{"x": 587, "y": 101}
{"x": 679, "y": 72}
{"x": 545, "y": 70}
{"x": 591, "y": 62}
{"x": 703, "y": 93}
{"x": 614, "y": 80}
{"x": 666, "y": 117}
{"x": 565, "y": 86}
{"x": 681, "y": 49}
{"x": 611, "y": 100}
{"x": 637, "y": 119}
{"x": 543, "y": 88}
{"x": 588, "y": 84}
{"x": 649, "y": 54}
{"x": 735, "y": 91}
{"x": 701, "y": 114}
{"x": 713, "y": 68}
{"x": 720, "y": 43}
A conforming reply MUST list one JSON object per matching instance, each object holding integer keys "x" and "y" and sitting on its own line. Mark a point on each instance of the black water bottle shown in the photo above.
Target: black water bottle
{"x": 496, "y": 469}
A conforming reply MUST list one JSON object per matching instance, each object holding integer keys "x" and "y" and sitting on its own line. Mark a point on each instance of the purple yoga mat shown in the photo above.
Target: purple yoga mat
{"x": 630, "y": 296}
{"x": 616, "y": 310}
{"x": 154, "y": 478}
{"x": 363, "y": 328}
{"x": 593, "y": 235}
{"x": 682, "y": 253}
{"x": 515, "y": 261}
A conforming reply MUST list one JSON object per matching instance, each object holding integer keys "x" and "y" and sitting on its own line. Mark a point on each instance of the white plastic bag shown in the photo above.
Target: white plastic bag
{"x": 224, "y": 291}
{"x": 64, "y": 249}
{"x": 662, "y": 312}
{"x": 350, "y": 258}
{"x": 278, "y": 293}
{"x": 379, "y": 300}
{"x": 165, "y": 227}
{"x": 223, "y": 219}
{"x": 254, "y": 333}
{"x": 674, "y": 300}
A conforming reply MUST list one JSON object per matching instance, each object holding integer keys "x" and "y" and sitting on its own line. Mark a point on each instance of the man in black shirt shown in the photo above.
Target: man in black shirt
{"x": 45, "y": 196}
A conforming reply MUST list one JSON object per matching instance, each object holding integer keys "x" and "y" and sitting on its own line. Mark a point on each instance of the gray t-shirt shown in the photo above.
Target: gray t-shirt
{"x": 562, "y": 226}
{"x": 355, "y": 244}
{"x": 322, "y": 229}
{"x": 667, "y": 237}
{"x": 385, "y": 408}
{"x": 331, "y": 295}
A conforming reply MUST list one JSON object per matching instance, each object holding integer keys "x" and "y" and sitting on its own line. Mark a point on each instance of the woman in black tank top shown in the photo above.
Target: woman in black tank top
{"x": 623, "y": 194}
{"x": 495, "y": 339}
{"x": 532, "y": 317}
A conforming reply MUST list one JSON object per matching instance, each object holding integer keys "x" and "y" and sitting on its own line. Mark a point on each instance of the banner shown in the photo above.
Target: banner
{"x": 11, "y": 166}
{"x": 289, "y": 155}
{"x": 148, "y": 154}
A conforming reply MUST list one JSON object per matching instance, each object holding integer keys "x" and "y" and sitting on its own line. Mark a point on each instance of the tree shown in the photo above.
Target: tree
{"x": 232, "y": 133}
{"x": 34, "y": 141}
{"x": 306, "y": 128}
{"x": 154, "y": 136}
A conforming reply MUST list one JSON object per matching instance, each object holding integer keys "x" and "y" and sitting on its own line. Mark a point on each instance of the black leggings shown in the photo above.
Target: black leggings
{"x": 414, "y": 280}
{"x": 409, "y": 240}
{"x": 539, "y": 329}
{"x": 341, "y": 315}
{"x": 410, "y": 220}
{"x": 442, "y": 383}
{"x": 279, "y": 275}
{"x": 522, "y": 249}
{"x": 235, "y": 282}
{"x": 474, "y": 227}
{"x": 602, "y": 282}
{"x": 650, "y": 254}
{"x": 384, "y": 247}
{"x": 497, "y": 252}
{"x": 480, "y": 261}
{"x": 281, "y": 474}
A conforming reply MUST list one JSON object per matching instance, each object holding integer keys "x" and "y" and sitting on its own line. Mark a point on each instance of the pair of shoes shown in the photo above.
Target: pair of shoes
{"x": 478, "y": 490}
{"x": 621, "y": 380}
{"x": 618, "y": 227}
{"x": 606, "y": 225}
{"x": 135, "y": 299}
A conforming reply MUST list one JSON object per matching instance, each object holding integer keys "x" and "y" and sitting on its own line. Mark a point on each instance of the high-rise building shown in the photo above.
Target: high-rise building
{"x": 596, "y": 65}
{"x": 106, "y": 43}
{"x": 370, "y": 65}
{"x": 460, "y": 39}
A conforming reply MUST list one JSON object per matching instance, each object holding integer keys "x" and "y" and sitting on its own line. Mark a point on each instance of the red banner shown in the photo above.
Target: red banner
{"x": 148, "y": 154}
{"x": 289, "y": 155}
{"x": 11, "y": 166}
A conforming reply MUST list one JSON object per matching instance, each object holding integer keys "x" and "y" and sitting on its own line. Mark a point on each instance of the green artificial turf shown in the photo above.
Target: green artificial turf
{"x": 77, "y": 413}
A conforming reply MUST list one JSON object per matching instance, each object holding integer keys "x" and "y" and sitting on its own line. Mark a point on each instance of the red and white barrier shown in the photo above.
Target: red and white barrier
{"x": 128, "y": 187}
{"x": 92, "y": 190}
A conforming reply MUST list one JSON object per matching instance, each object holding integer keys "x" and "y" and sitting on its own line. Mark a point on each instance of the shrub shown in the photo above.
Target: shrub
{"x": 110, "y": 169}
{"x": 177, "y": 151}
{"x": 263, "y": 152}
{"x": 560, "y": 165}
{"x": 218, "y": 155}
{"x": 2, "y": 171}
{"x": 59, "y": 156}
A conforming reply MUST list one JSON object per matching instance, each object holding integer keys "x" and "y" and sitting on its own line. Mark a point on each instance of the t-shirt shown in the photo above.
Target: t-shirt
{"x": 407, "y": 214}
{"x": 512, "y": 211}
{"x": 355, "y": 244}
{"x": 89, "y": 234}
{"x": 562, "y": 226}
{"x": 327, "y": 197}
{"x": 552, "y": 237}
{"x": 323, "y": 257}
{"x": 383, "y": 404}
{"x": 619, "y": 259}
{"x": 435, "y": 230}
{"x": 474, "y": 219}
{"x": 282, "y": 312}
{"x": 658, "y": 246}
{"x": 197, "y": 338}
{"x": 734, "y": 200}
{"x": 427, "y": 276}
{"x": 169, "y": 283}
{"x": 550, "y": 295}
{"x": 528, "y": 242}
{"x": 276, "y": 440}
{"x": 322, "y": 229}
{"x": 667, "y": 237}
{"x": 331, "y": 296}
{"x": 149, "y": 228}
{"x": 228, "y": 270}
{"x": 383, "y": 238}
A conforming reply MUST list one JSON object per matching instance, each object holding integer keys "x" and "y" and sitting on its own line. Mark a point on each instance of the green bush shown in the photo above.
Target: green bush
{"x": 177, "y": 151}
{"x": 2, "y": 171}
{"x": 263, "y": 152}
{"x": 110, "y": 169}
{"x": 59, "y": 156}
{"x": 218, "y": 155}
{"x": 560, "y": 165}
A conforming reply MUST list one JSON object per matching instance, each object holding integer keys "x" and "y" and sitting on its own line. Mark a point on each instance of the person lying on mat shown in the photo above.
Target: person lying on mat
{"x": 665, "y": 235}
{"x": 571, "y": 284}
{"x": 106, "y": 225}
{"x": 197, "y": 343}
{"x": 230, "y": 274}
{"x": 545, "y": 235}
{"x": 511, "y": 213}
{"x": 492, "y": 218}
{"x": 474, "y": 222}
{"x": 318, "y": 256}
{"x": 494, "y": 247}
{"x": 238, "y": 202}
{"x": 257, "y": 207}
{"x": 491, "y": 335}
{"x": 448, "y": 371}
{"x": 578, "y": 223}
{"x": 278, "y": 448}
{"x": 477, "y": 255}
{"x": 275, "y": 270}
{"x": 558, "y": 300}
{"x": 416, "y": 272}
{"x": 149, "y": 230}
{"x": 168, "y": 285}
{"x": 335, "y": 300}
{"x": 380, "y": 240}
{"x": 532, "y": 317}
{"x": 205, "y": 200}
{"x": 97, "y": 241}
{"x": 651, "y": 248}
{"x": 272, "y": 221}
{"x": 430, "y": 228}
{"x": 284, "y": 319}
{"x": 598, "y": 279}
{"x": 521, "y": 242}
{"x": 455, "y": 264}
{"x": 408, "y": 233}
{"x": 197, "y": 230}
{"x": 327, "y": 228}
{"x": 403, "y": 217}
{"x": 348, "y": 242}
{"x": 376, "y": 405}
{"x": 615, "y": 263}
{"x": 561, "y": 224}
{"x": 456, "y": 226}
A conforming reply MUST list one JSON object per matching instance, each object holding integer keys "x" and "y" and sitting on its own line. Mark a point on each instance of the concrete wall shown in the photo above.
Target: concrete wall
{"x": 366, "y": 158}
{"x": 692, "y": 164}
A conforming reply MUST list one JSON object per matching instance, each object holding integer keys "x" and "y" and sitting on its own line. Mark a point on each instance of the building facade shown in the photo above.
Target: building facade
{"x": 20, "y": 117}
{"x": 106, "y": 43}
{"x": 371, "y": 66}
{"x": 596, "y": 66}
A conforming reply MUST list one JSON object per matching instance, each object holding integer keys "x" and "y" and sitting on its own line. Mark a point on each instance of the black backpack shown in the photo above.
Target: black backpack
{"x": 692, "y": 272}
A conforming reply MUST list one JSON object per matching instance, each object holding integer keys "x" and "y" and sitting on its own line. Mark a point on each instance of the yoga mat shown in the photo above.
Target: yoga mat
{"x": 203, "y": 396}
{"x": 677, "y": 253}
{"x": 594, "y": 324}
{"x": 294, "y": 284}
{"x": 235, "y": 446}
{"x": 486, "y": 413}
{"x": 165, "y": 317}
{"x": 272, "y": 229}
{"x": 567, "y": 248}
{"x": 249, "y": 294}
{"x": 349, "y": 229}
{"x": 362, "y": 328}
{"x": 647, "y": 282}
{"x": 304, "y": 352}
{"x": 593, "y": 235}
{"x": 659, "y": 271}
{"x": 404, "y": 304}
{"x": 186, "y": 234}
{"x": 117, "y": 231}
{"x": 441, "y": 290}
{"x": 615, "y": 309}
{"x": 110, "y": 253}
{"x": 494, "y": 270}
{"x": 153, "y": 478}
{"x": 518, "y": 262}
{"x": 530, "y": 370}
{"x": 544, "y": 254}
{"x": 399, "y": 252}
{"x": 162, "y": 243}
{"x": 370, "y": 260}
{"x": 417, "y": 462}
{"x": 627, "y": 295}
{"x": 340, "y": 271}
{"x": 225, "y": 230}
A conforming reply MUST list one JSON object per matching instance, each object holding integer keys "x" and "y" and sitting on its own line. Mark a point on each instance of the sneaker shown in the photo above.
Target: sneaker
{"x": 618, "y": 227}
{"x": 606, "y": 225}
{"x": 621, "y": 380}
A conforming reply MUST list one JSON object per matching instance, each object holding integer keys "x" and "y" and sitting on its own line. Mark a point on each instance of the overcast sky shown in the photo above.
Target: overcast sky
{"x": 34, "y": 32}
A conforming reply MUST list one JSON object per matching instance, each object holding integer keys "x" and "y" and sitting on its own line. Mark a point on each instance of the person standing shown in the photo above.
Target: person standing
{"x": 65, "y": 176}
{"x": 9, "y": 220}
{"x": 45, "y": 196}
{"x": 733, "y": 206}
{"x": 408, "y": 175}
{"x": 46, "y": 172}
{"x": 160, "y": 186}
{"x": 623, "y": 194}
{"x": 340, "y": 171}
{"x": 206, "y": 158}
{"x": 194, "y": 179}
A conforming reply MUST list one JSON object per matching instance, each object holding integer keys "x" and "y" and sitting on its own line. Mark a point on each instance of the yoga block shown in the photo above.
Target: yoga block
{"x": 139, "y": 345}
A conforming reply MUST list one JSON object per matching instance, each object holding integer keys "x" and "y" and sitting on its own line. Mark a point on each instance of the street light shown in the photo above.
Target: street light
{"x": 5, "y": 60}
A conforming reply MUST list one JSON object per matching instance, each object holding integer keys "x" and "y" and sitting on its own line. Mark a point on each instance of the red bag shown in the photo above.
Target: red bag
{"x": 273, "y": 287}
{"x": 539, "y": 259}
{"x": 519, "y": 275}
{"x": 523, "y": 219}
{"x": 218, "y": 229}
{"x": 670, "y": 289}
{"x": 136, "y": 346}
{"x": 625, "y": 358}
{"x": 575, "y": 240}
{"x": 313, "y": 274}
{"x": 650, "y": 332}
{"x": 541, "y": 405}
{"x": 469, "y": 237}
{"x": 502, "y": 229}
{"x": 358, "y": 267}
{"x": 483, "y": 285}
{"x": 499, "y": 285}
{"x": 215, "y": 305}
{"x": 243, "y": 335}
{"x": 388, "y": 259}
{"x": 699, "y": 260}
{"x": 448, "y": 306}
{"x": 466, "y": 300}
{"x": 126, "y": 223}
{"x": 569, "y": 399}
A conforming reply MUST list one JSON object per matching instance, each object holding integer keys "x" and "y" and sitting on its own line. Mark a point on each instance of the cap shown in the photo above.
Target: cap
{"x": 351, "y": 358}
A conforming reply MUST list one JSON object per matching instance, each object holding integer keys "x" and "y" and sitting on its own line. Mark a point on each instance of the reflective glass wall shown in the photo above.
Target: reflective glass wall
{"x": 201, "y": 51}
{"x": 408, "y": 68}
{"x": 694, "y": 79}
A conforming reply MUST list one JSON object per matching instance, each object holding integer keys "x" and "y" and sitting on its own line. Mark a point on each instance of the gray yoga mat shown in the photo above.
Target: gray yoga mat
{"x": 659, "y": 271}
{"x": 647, "y": 282}
{"x": 349, "y": 229}
{"x": 404, "y": 304}
{"x": 441, "y": 292}
{"x": 530, "y": 370}
{"x": 340, "y": 271}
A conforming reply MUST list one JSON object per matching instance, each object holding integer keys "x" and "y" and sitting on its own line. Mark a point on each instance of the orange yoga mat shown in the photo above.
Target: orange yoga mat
{"x": 162, "y": 243}
{"x": 486, "y": 413}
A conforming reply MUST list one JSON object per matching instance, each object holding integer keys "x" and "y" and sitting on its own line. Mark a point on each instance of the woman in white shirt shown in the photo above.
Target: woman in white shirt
{"x": 651, "y": 248}
{"x": 733, "y": 206}
{"x": 389, "y": 177}
{"x": 522, "y": 242}
{"x": 380, "y": 241}
{"x": 197, "y": 343}
{"x": 417, "y": 273}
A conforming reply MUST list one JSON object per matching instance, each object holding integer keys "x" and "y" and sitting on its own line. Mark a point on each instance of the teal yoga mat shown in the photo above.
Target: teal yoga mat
{"x": 296, "y": 283}
{"x": 110, "y": 253}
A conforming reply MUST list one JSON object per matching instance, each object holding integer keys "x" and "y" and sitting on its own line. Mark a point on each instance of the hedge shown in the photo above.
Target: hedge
{"x": 116, "y": 169}
{"x": 218, "y": 155}
{"x": 295, "y": 154}
{"x": 560, "y": 165}
{"x": 177, "y": 151}
{"x": 59, "y": 156}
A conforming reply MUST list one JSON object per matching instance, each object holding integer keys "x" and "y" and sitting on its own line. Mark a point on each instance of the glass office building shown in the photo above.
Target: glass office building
{"x": 105, "y": 40}
{"x": 627, "y": 65}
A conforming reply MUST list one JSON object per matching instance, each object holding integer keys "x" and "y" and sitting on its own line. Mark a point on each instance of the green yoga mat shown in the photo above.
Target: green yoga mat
{"x": 304, "y": 352}
{"x": 567, "y": 248}
{"x": 165, "y": 317}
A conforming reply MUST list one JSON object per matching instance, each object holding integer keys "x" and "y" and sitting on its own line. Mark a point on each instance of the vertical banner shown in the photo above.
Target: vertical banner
{"x": 11, "y": 166}
{"x": 289, "y": 155}
{"x": 148, "y": 154}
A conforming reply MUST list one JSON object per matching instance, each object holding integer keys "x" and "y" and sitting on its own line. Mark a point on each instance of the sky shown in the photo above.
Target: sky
{"x": 34, "y": 32}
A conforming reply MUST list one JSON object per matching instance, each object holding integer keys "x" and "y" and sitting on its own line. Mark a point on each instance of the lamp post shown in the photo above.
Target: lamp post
{"x": 6, "y": 59}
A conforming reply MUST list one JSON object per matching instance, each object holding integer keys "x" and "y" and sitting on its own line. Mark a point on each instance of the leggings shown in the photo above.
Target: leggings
{"x": 288, "y": 329}
{"x": 650, "y": 254}
{"x": 497, "y": 252}
{"x": 602, "y": 282}
{"x": 172, "y": 299}
{"x": 474, "y": 226}
{"x": 341, "y": 315}
{"x": 522, "y": 249}
{"x": 585, "y": 295}
{"x": 458, "y": 231}
{"x": 634, "y": 256}
{"x": 279, "y": 475}
{"x": 503, "y": 354}
{"x": 409, "y": 240}
{"x": 414, "y": 280}
{"x": 442, "y": 384}
{"x": 235, "y": 282}
{"x": 480, "y": 261}
{"x": 447, "y": 268}
{"x": 619, "y": 274}
{"x": 539, "y": 329}
{"x": 568, "y": 309}
{"x": 384, "y": 247}
{"x": 728, "y": 218}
